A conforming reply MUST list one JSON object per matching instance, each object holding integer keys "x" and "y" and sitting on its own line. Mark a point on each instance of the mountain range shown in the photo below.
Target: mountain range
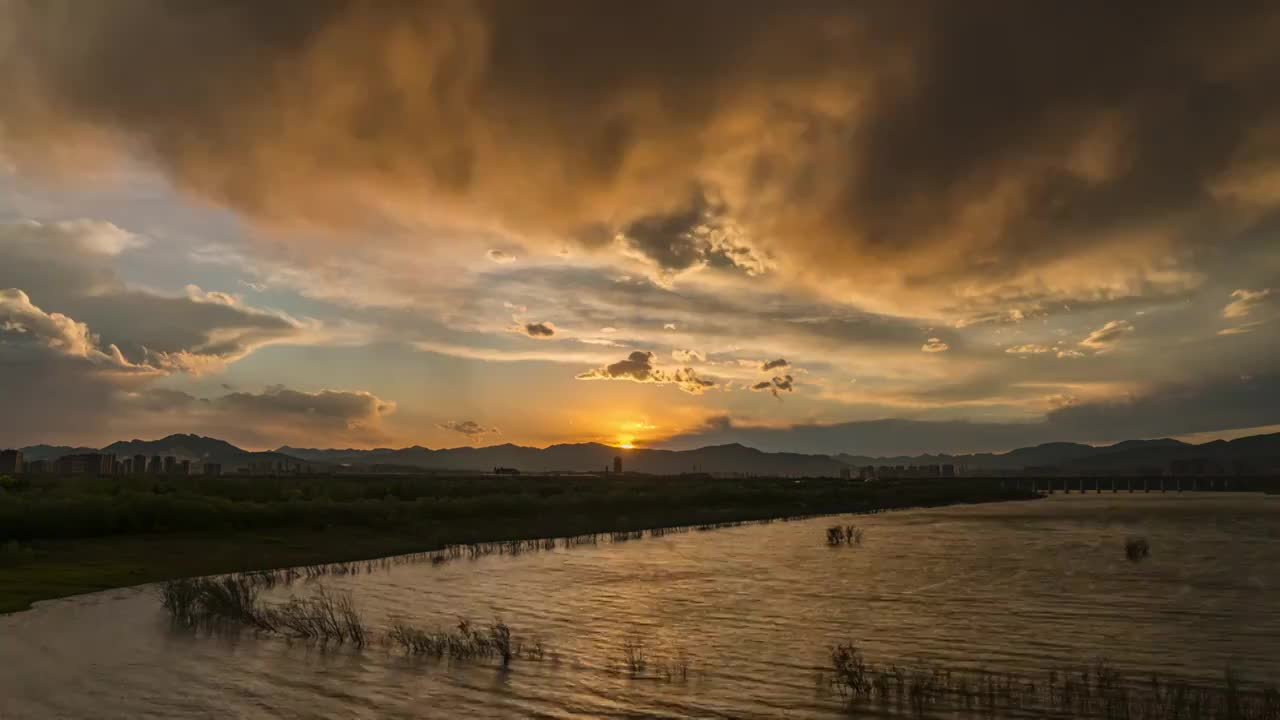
{"x": 196, "y": 448}
{"x": 1258, "y": 453}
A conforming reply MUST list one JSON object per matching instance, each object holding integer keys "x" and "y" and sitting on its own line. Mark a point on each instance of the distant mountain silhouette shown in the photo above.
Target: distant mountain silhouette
{"x": 1258, "y": 453}
{"x": 582, "y": 457}
{"x": 52, "y": 452}
{"x": 195, "y": 448}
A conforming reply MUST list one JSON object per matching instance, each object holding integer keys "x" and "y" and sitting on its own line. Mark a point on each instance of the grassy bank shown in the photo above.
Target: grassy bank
{"x": 64, "y": 537}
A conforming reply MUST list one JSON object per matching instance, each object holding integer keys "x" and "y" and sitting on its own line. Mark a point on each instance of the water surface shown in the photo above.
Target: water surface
{"x": 1017, "y": 586}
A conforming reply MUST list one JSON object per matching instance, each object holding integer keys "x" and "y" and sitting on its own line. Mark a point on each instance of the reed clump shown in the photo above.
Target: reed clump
{"x": 844, "y": 535}
{"x": 1136, "y": 548}
{"x": 233, "y": 601}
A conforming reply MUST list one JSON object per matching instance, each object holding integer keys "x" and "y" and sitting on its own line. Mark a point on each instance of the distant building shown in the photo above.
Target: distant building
{"x": 846, "y": 473}
{"x": 155, "y": 466}
{"x": 867, "y": 473}
{"x": 11, "y": 462}
{"x": 184, "y": 468}
{"x": 505, "y": 471}
{"x": 139, "y": 464}
{"x": 617, "y": 464}
{"x": 170, "y": 464}
{"x": 212, "y": 469}
{"x": 87, "y": 464}
{"x": 38, "y": 467}
{"x": 948, "y": 470}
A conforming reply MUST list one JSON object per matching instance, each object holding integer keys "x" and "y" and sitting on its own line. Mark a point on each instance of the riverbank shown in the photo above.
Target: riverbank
{"x": 60, "y": 538}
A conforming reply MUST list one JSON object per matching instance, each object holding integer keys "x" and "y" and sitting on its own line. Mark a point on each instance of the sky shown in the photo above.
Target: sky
{"x": 874, "y": 228}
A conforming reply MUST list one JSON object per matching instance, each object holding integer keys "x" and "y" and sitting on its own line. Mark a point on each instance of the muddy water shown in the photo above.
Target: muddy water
{"x": 750, "y": 611}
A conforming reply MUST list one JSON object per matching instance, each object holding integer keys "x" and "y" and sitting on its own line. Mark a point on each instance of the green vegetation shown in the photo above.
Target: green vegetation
{"x": 61, "y": 537}
{"x": 1100, "y": 691}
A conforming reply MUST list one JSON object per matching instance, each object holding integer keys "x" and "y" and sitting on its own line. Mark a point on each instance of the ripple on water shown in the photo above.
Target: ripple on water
{"x": 1018, "y": 586}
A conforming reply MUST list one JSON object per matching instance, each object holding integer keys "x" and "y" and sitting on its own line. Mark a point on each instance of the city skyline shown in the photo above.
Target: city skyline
{"x": 837, "y": 230}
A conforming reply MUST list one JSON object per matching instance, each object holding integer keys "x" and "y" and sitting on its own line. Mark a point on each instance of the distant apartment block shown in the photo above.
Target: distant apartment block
{"x": 87, "y": 464}
{"x": 11, "y": 462}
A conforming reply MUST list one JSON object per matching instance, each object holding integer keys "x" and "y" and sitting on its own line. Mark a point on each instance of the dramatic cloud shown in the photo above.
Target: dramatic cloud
{"x": 1244, "y": 302}
{"x": 264, "y": 419}
{"x": 473, "y": 430}
{"x": 1106, "y": 337}
{"x": 1174, "y": 409}
{"x": 55, "y": 369}
{"x": 1167, "y": 410}
{"x": 692, "y": 237}
{"x": 23, "y": 322}
{"x": 774, "y": 365}
{"x": 817, "y": 139}
{"x": 539, "y": 329}
{"x": 639, "y": 367}
{"x": 347, "y": 410}
{"x": 853, "y": 183}
{"x": 68, "y": 267}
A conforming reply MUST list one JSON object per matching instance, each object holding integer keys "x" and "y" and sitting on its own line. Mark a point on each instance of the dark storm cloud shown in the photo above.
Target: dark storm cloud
{"x": 1175, "y": 409}
{"x": 339, "y": 409}
{"x": 775, "y": 385}
{"x": 539, "y": 329}
{"x": 774, "y": 364}
{"x": 998, "y": 147}
{"x": 1167, "y": 410}
{"x": 694, "y": 236}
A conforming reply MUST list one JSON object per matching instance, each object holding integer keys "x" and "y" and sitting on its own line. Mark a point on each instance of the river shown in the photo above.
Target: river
{"x": 749, "y": 610}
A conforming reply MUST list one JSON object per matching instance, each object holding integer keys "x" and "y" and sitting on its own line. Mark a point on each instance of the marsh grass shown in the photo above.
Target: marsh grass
{"x": 466, "y": 642}
{"x": 634, "y": 658}
{"x": 638, "y": 659}
{"x": 325, "y": 616}
{"x": 232, "y": 601}
{"x": 473, "y": 551}
{"x": 1098, "y": 691}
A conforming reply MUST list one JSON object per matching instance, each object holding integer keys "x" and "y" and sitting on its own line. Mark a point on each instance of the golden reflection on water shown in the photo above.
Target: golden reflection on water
{"x": 750, "y": 611}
